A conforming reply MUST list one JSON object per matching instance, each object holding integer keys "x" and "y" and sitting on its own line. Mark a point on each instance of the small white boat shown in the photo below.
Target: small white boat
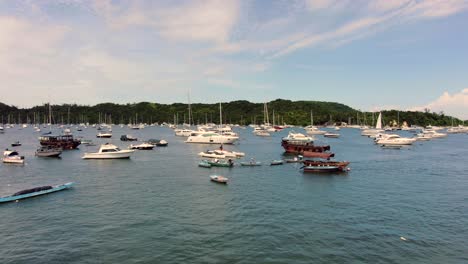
{"x": 109, "y": 151}
{"x": 212, "y": 154}
{"x": 12, "y": 156}
{"x": 142, "y": 146}
{"x": 104, "y": 135}
{"x": 219, "y": 179}
{"x": 331, "y": 135}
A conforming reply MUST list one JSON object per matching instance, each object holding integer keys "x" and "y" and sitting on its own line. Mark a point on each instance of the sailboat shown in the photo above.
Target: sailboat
{"x": 313, "y": 130}
{"x": 374, "y": 131}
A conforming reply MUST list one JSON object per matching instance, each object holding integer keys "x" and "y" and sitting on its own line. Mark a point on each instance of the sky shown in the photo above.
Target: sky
{"x": 371, "y": 55}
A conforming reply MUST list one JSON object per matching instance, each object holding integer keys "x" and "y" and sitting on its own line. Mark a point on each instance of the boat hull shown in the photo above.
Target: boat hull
{"x": 24, "y": 196}
{"x": 121, "y": 155}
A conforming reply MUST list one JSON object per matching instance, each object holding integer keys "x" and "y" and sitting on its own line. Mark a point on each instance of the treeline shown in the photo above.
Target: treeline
{"x": 235, "y": 112}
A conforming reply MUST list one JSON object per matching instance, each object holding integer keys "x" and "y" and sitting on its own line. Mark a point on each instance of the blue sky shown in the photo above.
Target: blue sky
{"x": 371, "y": 55}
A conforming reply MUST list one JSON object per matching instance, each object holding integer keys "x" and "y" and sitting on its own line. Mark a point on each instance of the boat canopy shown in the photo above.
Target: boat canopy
{"x": 33, "y": 190}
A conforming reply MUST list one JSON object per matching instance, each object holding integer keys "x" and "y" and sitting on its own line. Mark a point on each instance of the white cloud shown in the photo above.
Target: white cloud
{"x": 455, "y": 104}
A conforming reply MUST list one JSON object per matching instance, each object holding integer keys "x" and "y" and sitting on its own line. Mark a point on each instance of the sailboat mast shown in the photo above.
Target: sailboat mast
{"x": 220, "y": 116}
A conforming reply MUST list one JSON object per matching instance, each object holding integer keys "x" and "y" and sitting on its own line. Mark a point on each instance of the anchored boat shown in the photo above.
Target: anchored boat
{"x": 109, "y": 151}
{"x": 35, "y": 192}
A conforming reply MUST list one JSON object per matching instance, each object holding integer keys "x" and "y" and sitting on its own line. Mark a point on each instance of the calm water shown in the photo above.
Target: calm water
{"x": 159, "y": 207}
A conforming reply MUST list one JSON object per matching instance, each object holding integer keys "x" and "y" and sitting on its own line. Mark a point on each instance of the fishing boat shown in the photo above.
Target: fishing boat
{"x": 48, "y": 152}
{"x": 276, "y": 162}
{"x": 300, "y": 146}
{"x": 104, "y": 135}
{"x": 35, "y": 192}
{"x": 219, "y": 179}
{"x": 204, "y": 164}
{"x": 142, "y": 146}
{"x": 16, "y": 144}
{"x": 325, "y": 166}
{"x": 252, "y": 162}
{"x": 63, "y": 141}
{"x": 109, "y": 151}
{"x": 12, "y": 156}
{"x": 128, "y": 138}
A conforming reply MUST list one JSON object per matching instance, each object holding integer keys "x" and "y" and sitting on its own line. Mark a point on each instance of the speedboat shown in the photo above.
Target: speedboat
{"x": 48, "y": 152}
{"x": 142, "y": 146}
{"x": 35, "y": 192}
{"x": 16, "y": 144}
{"x": 109, "y": 151}
{"x": 219, "y": 179}
{"x": 12, "y": 156}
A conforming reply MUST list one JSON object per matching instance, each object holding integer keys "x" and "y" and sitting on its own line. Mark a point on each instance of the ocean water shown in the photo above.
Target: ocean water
{"x": 159, "y": 207}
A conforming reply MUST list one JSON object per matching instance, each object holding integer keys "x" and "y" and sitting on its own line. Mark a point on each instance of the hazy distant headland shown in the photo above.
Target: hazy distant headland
{"x": 236, "y": 112}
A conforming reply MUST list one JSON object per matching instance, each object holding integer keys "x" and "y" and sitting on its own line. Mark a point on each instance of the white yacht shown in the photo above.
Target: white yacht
{"x": 109, "y": 151}
{"x": 433, "y": 134}
{"x": 393, "y": 139}
{"x": 313, "y": 130}
{"x": 211, "y": 138}
{"x": 298, "y": 137}
{"x": 12, "y": 156}
{"x": 183, "y": 132}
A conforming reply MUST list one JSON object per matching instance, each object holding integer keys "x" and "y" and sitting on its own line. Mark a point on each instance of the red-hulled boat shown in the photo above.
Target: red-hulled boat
{"x": 325, "y": 166}
{"x": 63, "y": 141}
{"x": 300, "y": 147}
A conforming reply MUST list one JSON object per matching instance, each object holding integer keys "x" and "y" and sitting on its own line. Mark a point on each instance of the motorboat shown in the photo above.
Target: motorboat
{"x": 423, "y": 137}
{"x": 48, "y": 152}
{"x": 262, "y": 133}
{"x": 204, "y": 164}
{"x": 220, "y": 163}
{"x": 128, "y": 138}
{"x": 183, "y": 132}
{"x": 393, "y": 139}
{"x": 211, "y": 138}
{"x": 35, "y": 192}
{"x": 87, "y": 142}
{"x": 12, "y": 156}
{"x": 293, "y": 136}
{"x": 142, "y": 146}
{"x": 16, "y": 144}
{"x": 331, "y": 135}
{"x": 313, "y": 130}
{"x": 158, "y": 142}
{"x": 219, "y": 179}
{"x": 109, "y": 151}
{"x": 104, "y": 135}
{"x": 433, "y": 134}
{"x": 212, "y": 154}
{"x": 251, "y": 162}
{"x": 276, "y": 162}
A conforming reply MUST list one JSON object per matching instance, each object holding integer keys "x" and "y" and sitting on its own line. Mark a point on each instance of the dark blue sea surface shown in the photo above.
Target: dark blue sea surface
{"x": 159, "y": 207}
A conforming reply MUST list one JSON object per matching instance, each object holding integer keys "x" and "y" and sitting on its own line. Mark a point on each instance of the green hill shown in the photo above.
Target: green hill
{"x": 239, "y": 112}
